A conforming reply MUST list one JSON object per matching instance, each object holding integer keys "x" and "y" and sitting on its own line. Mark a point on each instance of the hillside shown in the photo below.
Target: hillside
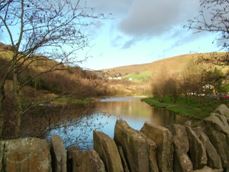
{"x": 44, "y": 77}
{"x": 79, "y": 83}
{"x": 143, "y": 72}
{"x": 137, "y": 79}
{"x": 173, "y": 64}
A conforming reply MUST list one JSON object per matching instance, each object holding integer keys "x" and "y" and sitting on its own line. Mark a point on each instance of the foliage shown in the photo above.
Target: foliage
{"x": 195, "y": 92}
{"x": 217, "y": 59}
{"x": 167, "y": 87}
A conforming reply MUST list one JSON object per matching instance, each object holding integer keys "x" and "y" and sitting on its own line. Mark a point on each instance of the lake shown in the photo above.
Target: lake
{"x": 103, "y": 118}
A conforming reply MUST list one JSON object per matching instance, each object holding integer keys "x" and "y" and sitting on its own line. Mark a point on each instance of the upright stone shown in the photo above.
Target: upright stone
{"x": 218, "y": 122}
{"x": 123, "y": 158}
{"x": 208, "y": 169}
{"x": 84, "y": 161}
{"x": 152, "y": 149}
{"x": 214, "y": 160}
{"x": 180, "y": 138}
{"x": 1, "y": 155}
{"x": 182, "y": 162}
{"x": 59, "y": 155}
{"x": 164, "y": 142}
{"x": 107, "y": 150}
{"x": 26, "y": 155}
{"x": 217, "y": 129}
{"x": 197, "y": 150}
{"x": 134, "y": 145}
{"x": 223, "y": 110}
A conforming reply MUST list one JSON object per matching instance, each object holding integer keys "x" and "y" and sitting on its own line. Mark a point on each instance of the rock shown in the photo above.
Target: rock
{"x": 152, "y": 156}
{"x": 124, "y": 161}
{"x": 219, "y": 140}
{"x": 197, "y": 150}
{"x": 84, "y": 161}
{"x": 59, "y": 155}
{"x": 164, "y": 142}
{"x": 180, "y": 138}
{"x": 188, "y": 123}
{"x": 182, "y": 162}
{"x": 134, "y": 145}
{"x": 218, "y": 122}
{"x": 208, "y": 169}
{"x": 107, "y": 150}
{"x": 214, "y": 160}
{"x": 1, "y": 155}
{"x": 223, "y": 110}
{"x": 26, "y": 155}
{"x": 217, "y": 129}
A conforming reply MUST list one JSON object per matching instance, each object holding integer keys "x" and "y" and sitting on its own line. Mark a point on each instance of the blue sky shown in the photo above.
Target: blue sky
{"x": 143, "y": 31}
{"x": 140, "y": 31}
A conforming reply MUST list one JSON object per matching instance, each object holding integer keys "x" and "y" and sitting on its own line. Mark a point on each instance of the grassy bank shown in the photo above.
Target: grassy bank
{"x": 195, "y": 107}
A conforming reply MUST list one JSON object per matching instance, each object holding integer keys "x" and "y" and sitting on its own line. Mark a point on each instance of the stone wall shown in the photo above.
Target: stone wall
{"x": 182, "y": 148}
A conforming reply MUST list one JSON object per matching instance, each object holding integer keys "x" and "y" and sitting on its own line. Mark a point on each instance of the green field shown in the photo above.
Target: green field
{"x": 195, "y": 107}
{"x": 139, "y": 76}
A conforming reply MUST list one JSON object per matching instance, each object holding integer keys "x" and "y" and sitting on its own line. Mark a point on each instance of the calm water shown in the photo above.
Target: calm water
{"x": 107, "y": 111}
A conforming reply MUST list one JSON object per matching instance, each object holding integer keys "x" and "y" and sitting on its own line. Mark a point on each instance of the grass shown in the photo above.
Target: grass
{"x": 195, "y": 107}
{"x": 139, "y": 76}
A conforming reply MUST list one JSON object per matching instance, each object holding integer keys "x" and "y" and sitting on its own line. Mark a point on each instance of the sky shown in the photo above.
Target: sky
{"x": 142, "y": 31}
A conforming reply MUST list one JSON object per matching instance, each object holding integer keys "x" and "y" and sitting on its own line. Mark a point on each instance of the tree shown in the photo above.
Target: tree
{"x": 192, "y": 81}
{"x": 4, "y": 3}
{"x": 165, "y": 85}
{"x": 213, "y": 78}
{"x": 214, "y": 17}
{"x": 47, "y": 27}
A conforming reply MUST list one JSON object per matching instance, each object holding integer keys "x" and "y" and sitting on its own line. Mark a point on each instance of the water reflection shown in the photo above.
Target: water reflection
{"x": 104, "y": 117}
{"x": 163, "y": 117}
{"x": 125, "y": 107}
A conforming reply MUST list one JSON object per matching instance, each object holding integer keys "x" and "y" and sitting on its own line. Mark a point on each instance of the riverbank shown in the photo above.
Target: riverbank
{"x": 195, "y": 107}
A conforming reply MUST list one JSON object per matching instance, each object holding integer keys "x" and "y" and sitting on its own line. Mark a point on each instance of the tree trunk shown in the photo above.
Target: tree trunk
{"x": 18, "y": 108}
{"x": 17, "y": 99}
{"x": 2, "y": 98}
{"x": 18, "y": 124}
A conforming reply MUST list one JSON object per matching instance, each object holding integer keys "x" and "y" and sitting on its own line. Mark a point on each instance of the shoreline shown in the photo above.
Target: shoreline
{"x": 193, "y": 107}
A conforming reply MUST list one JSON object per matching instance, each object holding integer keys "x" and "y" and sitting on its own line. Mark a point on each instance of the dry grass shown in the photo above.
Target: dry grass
{"x": 172, "y": 65}
{"x": 44, "y": 75}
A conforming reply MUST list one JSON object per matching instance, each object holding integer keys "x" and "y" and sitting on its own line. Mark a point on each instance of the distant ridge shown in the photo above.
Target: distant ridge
{"x": 172, "y": 65}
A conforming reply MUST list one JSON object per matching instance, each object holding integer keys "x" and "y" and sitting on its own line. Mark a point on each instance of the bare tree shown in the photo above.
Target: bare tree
{"x": 4, "y": 3}
{"x": 213, "y": 17}
{"x": 47, "y": 27}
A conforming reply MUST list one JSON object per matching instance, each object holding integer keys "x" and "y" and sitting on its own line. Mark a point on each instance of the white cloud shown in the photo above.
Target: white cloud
{"x": 154, "y": 17}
